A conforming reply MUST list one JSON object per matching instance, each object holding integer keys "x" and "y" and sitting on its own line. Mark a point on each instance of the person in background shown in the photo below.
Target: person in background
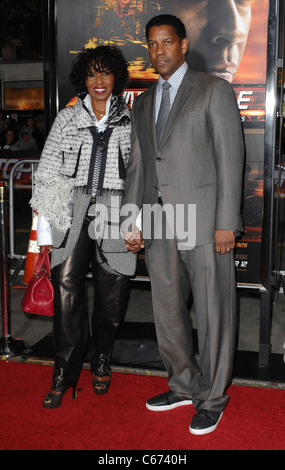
{"x": 9, "y": 139}
{"x": 25, "y": 142}
{"x": 2, "y": 120}
{"x": 35, "y": 130}
{"x": 39, "y": 131}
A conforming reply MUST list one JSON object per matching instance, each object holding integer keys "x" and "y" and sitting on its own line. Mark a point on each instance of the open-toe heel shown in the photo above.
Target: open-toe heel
{"x": 101, "y": 373}
{"x": 53, "y": 399}
{"x": 101, "y": 384}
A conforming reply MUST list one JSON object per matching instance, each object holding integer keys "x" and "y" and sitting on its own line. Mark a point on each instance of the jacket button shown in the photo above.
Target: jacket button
{"x": 158, "y": 159}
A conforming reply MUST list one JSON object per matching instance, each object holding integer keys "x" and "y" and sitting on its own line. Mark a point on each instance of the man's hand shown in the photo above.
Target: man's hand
{"x": 224, "y": 241}
{"x": 134, "y": 240}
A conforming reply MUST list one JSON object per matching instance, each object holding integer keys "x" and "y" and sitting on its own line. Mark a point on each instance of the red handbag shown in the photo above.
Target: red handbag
{"x": 39, "y": 295}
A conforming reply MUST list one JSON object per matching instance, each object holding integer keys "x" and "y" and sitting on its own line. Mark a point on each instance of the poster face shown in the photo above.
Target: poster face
{"x": 226, "y": 38}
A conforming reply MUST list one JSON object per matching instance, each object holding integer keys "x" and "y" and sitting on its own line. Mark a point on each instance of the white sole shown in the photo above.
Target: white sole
{"x": 201, "y": 432}
{"x": 168, "y": 407}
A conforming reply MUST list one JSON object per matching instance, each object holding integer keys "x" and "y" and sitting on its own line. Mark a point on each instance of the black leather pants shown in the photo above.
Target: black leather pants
{"x": 71, "y": 321}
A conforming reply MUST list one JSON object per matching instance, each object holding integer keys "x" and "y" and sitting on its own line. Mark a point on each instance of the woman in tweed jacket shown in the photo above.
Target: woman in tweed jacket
{"x": 81, "y": 174}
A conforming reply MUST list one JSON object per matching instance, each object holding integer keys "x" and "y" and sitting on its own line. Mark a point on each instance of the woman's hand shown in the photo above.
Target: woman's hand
{"x": 134, "y": 241}
{"x": 43, "y": 247}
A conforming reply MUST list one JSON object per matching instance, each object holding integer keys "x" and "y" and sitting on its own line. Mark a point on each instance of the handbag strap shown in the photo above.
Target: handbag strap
{"x": 37, "y": 265}
{"x": 44, "y": 261}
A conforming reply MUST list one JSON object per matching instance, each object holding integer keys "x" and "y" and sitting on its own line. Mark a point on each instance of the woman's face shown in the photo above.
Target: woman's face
{"x": 100, "y": 85}
{"x": 9, "y": 136}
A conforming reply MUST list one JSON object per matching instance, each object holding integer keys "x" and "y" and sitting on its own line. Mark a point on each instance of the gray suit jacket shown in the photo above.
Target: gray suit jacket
{"x": 201, "y": 156}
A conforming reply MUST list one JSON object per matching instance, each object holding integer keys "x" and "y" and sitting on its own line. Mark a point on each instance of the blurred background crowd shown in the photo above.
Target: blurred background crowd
{"x": 27, "y": 134}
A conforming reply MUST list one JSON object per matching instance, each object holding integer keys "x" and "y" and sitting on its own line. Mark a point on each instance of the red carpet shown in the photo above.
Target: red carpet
{"x": 253, "y": 420}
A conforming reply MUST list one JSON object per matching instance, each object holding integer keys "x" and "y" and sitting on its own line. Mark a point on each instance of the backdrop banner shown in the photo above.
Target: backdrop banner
{"x": 227, "y": 39}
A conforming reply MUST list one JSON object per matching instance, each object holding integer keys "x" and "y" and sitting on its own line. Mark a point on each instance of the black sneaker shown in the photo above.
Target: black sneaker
{"x": 204, "y": 421}
{"x": 166, "y": 401}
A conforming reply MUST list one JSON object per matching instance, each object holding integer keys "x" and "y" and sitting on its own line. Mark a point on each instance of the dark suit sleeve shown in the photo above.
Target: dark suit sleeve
{"x": 134, "y": 183}
{"x": 225, "y": 127}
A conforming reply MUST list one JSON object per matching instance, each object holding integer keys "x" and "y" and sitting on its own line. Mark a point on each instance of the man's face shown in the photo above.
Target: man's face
{"x": 9, "y": 136}
{"x": 217, "y": 31}
{"x": 25, "y": 137}
{"x": 166, "y": 51}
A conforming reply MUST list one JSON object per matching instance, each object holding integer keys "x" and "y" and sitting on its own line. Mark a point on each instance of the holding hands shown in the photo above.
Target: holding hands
{"x": 134, "y": 240}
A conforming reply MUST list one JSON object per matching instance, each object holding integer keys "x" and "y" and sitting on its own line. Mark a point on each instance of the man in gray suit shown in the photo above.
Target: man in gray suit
{"x": 198, "y": 162}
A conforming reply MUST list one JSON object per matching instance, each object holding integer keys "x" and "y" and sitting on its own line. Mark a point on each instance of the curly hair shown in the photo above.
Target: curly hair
{"x": 101, "y": 58}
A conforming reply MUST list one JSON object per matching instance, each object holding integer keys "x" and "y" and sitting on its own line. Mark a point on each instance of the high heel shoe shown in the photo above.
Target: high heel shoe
{"x": 102, "y": 376}
{"x": 54, "y": 397}
{"x": 101, "y": 384}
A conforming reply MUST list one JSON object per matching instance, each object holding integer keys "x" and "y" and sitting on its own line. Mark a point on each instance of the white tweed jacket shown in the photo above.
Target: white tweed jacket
{"x": 59, "y": 191}
{"x": 58, "y": 173}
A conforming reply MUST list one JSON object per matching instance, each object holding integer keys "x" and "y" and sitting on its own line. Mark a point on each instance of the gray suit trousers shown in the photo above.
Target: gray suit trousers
{"x": 210, "y": 276}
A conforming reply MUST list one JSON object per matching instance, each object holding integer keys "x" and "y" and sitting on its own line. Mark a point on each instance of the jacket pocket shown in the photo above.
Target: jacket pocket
{"x": 205, "y": 178}
{"x": 122, "y": 169}
{"x": 70, "y": 158}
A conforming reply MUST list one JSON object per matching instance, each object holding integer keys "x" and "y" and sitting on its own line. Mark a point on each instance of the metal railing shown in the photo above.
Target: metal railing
{"x": 8, "y": 346}
{"x": 12, "y": 255}
{"x": 34, "y": 164}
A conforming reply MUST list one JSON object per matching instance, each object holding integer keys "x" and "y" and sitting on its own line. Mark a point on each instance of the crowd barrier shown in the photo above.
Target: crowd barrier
{"x": 8, "y": 345}
{"x": 13, "y": 255}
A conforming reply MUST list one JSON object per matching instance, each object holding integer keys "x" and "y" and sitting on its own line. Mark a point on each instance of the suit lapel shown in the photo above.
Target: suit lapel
{"x": 149, "y": 109}
{"x": 183, "y": 96}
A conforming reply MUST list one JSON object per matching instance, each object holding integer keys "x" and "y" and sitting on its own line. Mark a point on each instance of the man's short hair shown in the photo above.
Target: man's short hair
{"x": 170, "y": 20}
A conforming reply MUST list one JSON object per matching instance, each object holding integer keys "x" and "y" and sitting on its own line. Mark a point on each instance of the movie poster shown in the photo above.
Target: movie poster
{"x": 226, "y": 38}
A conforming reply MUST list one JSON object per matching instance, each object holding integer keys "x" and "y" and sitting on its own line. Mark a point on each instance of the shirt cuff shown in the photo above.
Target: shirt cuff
{"x": 43, "y": 232}
{"x": 139, "y": 220}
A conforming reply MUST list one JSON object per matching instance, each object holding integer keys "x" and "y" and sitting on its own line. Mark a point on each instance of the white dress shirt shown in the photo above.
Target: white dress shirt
{"x": 175, "y": 82}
